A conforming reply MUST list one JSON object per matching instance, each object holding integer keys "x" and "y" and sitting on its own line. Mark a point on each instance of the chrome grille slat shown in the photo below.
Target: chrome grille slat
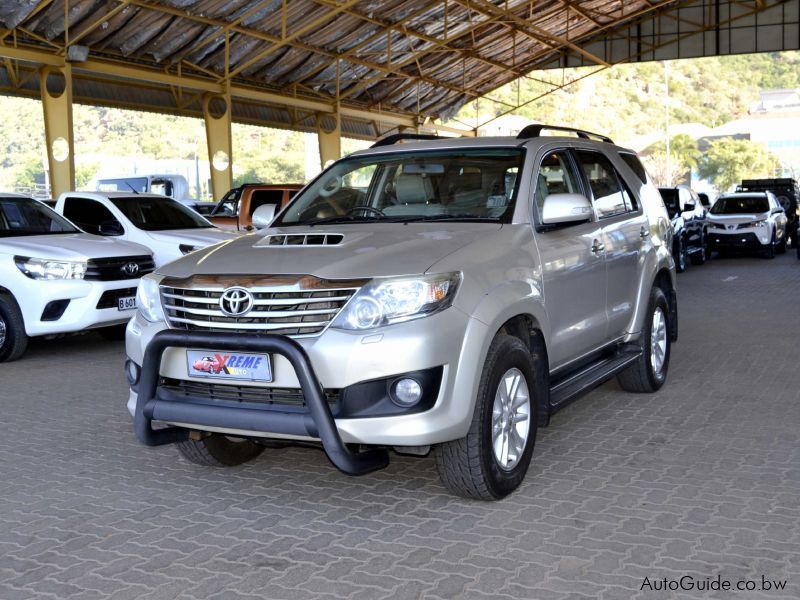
{"x": 249, "y": 326}
{"x": 294, "y": 306}
{"x": 266, "y": 314}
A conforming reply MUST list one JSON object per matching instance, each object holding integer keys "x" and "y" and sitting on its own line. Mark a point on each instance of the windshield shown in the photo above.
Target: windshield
{"x": 124, "y": 184}
{"x": 433, "y": 185}
{"x": 23, "y": 216}
{"x": 734, "y": 205}
{"x": 158, "y": 214}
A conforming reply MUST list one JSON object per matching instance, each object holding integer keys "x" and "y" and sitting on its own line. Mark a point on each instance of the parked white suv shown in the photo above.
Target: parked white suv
{"x": 56, "y": 279}
{"x": 450, "y": 294}
{"x": 162, "y": 224}
{"x": 747, "y": 221}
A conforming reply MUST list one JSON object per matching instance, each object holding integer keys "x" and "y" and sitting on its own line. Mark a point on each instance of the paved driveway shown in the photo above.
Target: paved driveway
{"x": 698, "y": 480}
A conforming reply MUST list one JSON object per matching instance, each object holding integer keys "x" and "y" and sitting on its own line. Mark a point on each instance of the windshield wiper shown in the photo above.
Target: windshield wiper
{"x": 448, "y": 217}
{"x": 336, "y": 219}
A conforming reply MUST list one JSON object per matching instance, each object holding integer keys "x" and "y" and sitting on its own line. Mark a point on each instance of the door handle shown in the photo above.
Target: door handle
{"x": 598, "y": 247}
{"x": 644, "y": 232}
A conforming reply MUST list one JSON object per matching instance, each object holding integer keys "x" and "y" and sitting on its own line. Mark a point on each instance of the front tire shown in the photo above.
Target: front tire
{"x": 649, "y": 372}
{"x": 13, "y": 339}
{"x": 115, "y": 333}
{"x": 781, "y": 248}
{"x": 700, "y": 256}
{"x": 219, "y": 451}
{"x": 769, "y": 252}
{"x": 680, "y": 256}
{"x": 491, "y": 461}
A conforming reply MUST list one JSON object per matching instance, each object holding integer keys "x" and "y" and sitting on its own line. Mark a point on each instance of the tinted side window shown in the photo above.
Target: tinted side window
{"x": 261, "y": 197}
{"x": 556, "y": 176}
{"x": 87, "y": 214}
{"x": 635, "y": 164}
{"x": 609, "y": 199}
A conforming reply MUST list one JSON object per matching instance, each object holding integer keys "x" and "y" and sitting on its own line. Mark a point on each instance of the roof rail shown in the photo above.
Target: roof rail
{"x": 390, "y": 140}
{"x": 535, "y": 130}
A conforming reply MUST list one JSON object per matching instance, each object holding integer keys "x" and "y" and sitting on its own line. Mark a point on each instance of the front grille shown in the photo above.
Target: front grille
{"x": 117, "y": 268}
{"x": 110, "y": 299}
{"x": 244, "y": 394}
{"x": 293, "y": 306}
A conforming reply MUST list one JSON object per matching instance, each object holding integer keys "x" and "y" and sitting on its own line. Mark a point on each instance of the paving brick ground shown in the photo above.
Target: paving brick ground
{"x": 700, "y": 479}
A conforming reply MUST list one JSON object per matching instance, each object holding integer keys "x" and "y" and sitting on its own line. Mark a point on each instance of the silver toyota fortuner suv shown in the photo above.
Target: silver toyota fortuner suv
{"x": 447, "y": 294}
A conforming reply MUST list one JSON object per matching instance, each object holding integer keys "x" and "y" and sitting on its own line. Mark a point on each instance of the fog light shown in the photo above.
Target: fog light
{"x": 406, "y": 392}
{"x": 132, "y": 372}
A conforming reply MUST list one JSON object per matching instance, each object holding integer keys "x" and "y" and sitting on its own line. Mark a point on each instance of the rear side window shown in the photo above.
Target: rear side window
{"x": 610, "y": 196}
{"x": 635, "y": 164}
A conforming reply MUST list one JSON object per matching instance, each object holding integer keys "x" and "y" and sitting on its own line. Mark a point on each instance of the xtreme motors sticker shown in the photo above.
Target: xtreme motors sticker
{"x": 229, "y": 365}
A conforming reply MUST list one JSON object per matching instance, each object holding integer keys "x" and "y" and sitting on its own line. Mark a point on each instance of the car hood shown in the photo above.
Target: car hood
{"x": 193, "y": 237}
{"x": 365, "y": 250}
{"x": 737, "y": 218}
{"x": 70, "y": 246}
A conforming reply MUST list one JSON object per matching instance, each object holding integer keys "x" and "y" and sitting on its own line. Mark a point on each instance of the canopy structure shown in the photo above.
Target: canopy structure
{"x": 359, "y": 68}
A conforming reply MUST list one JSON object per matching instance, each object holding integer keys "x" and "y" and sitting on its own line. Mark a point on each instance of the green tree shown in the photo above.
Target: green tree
{"x": 729, "y": 160}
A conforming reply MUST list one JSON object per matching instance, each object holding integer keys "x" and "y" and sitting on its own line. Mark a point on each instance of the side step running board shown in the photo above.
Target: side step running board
{"x": 578, "y": 383}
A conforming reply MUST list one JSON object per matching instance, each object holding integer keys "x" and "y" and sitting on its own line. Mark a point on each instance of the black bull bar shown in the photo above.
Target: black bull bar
{"x": 318, "y": 422}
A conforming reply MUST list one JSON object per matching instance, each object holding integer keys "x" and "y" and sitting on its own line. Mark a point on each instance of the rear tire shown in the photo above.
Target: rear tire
{"x": 491, "y": 461}
{"x": 219, "y": 451}
{"x": 13, "y": 339}
{"x": 700, "y": 256}
{"x": 649, "y": 372}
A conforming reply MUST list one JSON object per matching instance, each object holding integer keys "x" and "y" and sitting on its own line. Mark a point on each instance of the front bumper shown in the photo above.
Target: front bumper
{"x": 317, "y": 422}
{"x": 342, "y": 360}
{"x": 84, "y": 308}
{"x": 745, "y": 240}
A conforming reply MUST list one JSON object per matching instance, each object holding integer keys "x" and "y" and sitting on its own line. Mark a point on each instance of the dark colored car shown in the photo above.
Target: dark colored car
{"x": 787, "y": 192}
{"x": 689, "y": 226}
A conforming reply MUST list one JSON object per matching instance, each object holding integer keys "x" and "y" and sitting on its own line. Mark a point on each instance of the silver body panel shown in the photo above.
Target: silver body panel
{"x": 580, "y": 300}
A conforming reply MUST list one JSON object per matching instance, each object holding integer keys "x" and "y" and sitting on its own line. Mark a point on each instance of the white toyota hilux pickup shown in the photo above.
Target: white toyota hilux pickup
{"x": 56, "y": 279}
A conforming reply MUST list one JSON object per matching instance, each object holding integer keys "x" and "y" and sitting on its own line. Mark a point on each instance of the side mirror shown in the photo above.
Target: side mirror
{"x": 566, "y": 208}
{"x": 264, "y": 215}
{"x": 688, "y": 206}
{"x": 110, "y": 228}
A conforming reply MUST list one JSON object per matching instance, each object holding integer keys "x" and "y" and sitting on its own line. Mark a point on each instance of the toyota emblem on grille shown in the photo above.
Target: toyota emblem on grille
{"x": 130, "y": 269}
{"x": 236, "y": 302}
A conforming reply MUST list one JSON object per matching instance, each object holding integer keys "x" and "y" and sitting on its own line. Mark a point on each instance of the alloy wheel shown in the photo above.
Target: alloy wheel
{"x": 658, "y": 341}
{"x": 510, "y": 419}
{"x": 2, "y": 331}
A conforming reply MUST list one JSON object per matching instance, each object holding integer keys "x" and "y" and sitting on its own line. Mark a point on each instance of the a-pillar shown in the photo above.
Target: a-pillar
{"x": 329, "y": 133}
{"x": 217, "y": 114}
{"x": 55, "y": 84}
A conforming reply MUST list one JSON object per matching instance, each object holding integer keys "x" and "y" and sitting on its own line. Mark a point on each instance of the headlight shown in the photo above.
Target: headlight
{"x": 148, "y": 299}
{"x": 186, "y": 248}
{"x": 716, "y": 225}
{"x": 387, "y": 301}
{"x": 759, "y": 223}
{"x": 42, "y": 268}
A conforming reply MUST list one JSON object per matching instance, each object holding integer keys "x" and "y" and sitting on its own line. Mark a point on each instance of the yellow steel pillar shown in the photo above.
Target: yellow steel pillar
{"x": 217, "y": 113}
{"x": 55, "y": 84}
{"x": 329, "y": 133}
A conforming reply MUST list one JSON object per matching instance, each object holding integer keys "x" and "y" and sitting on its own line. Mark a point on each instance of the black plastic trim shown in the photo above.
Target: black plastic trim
{"x": 317, "y": 422}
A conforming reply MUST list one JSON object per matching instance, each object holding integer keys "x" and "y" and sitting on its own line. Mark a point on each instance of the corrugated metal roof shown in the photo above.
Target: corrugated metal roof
{"x": 414, "y": 58}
